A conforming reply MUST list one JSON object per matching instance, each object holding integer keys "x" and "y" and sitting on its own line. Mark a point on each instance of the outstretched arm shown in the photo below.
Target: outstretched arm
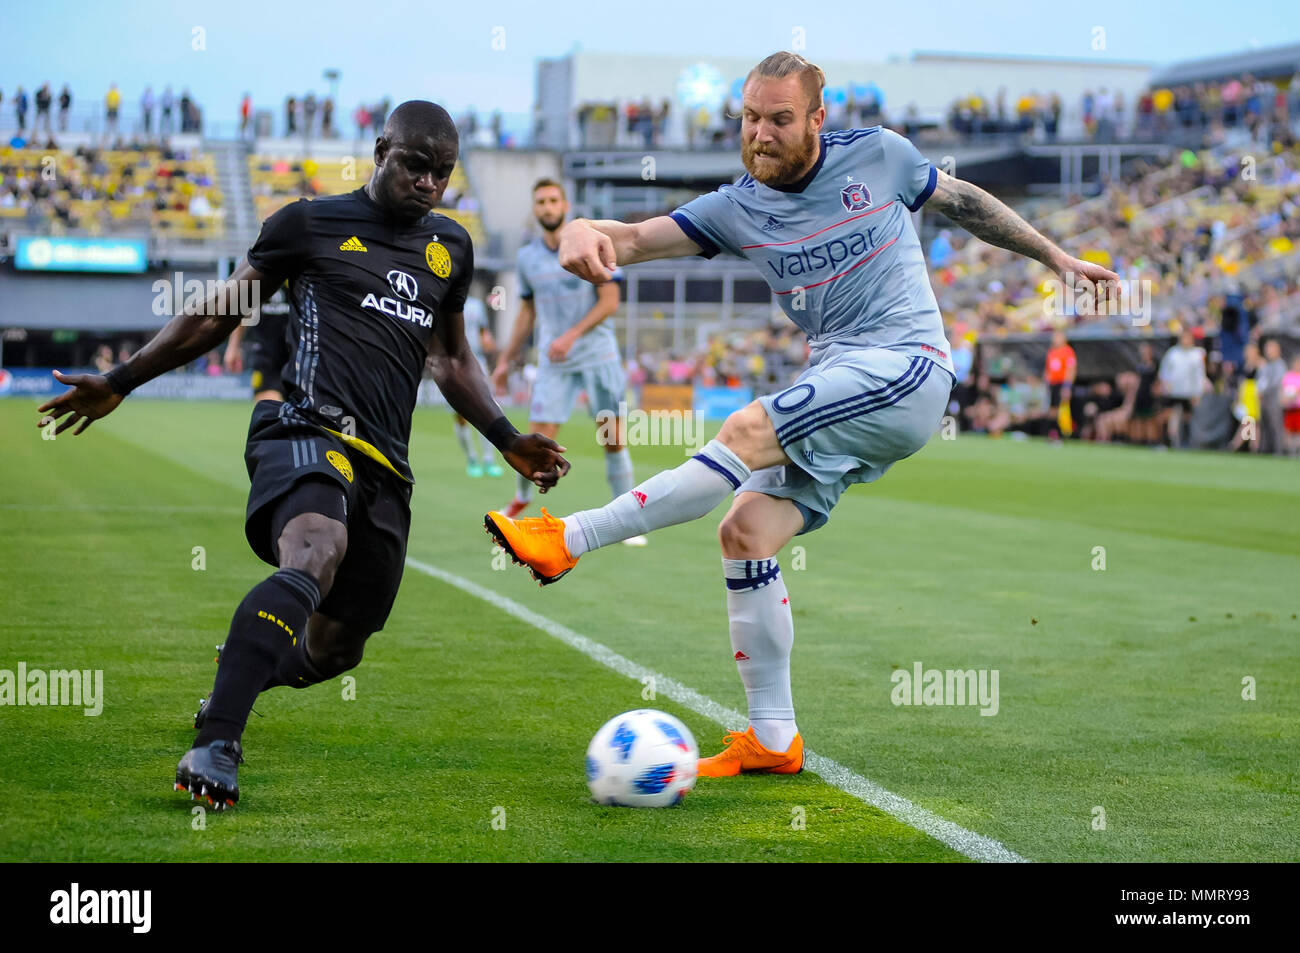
{"x": 190, "y": 334}
{"x": 460, "y": 378}
{"x": 591, "y": 249}
{"x": 988, "y": 219}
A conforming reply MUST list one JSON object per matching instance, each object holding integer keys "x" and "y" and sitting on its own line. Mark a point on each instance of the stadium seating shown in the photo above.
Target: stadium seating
{"x": 109, "y": 191}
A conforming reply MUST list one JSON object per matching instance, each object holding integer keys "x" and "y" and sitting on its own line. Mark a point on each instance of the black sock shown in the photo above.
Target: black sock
{"x": 295, "y": 668}
{"x": 265, "y": 626}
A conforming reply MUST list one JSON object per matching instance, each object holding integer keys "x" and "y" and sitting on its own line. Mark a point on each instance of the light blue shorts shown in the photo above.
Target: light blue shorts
{"x": 554, "y": 392}
{"x": 847, "y": 420}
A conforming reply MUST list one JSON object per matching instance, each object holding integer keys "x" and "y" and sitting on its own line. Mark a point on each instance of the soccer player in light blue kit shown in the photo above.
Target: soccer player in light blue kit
{"x": 827, "y": 219}
{"x": 479, "y": 337}
{"x": 576, "y": 348}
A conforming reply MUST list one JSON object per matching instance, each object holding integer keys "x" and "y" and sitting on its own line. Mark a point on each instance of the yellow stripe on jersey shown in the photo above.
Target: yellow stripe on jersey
{"x": 373, "y": 452}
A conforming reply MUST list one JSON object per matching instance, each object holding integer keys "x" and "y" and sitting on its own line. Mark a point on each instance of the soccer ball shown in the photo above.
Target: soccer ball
{"x": 642, "y": 758}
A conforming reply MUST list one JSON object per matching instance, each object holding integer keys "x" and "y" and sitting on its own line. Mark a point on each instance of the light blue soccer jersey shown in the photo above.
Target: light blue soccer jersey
{"x": 561, "y": 300}
{"x": 475, "y": 321}
{"x": 838, "y": 247}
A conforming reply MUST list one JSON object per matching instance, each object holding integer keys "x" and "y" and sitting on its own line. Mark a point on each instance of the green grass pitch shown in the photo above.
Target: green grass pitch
{"x": 1120, "y": 689}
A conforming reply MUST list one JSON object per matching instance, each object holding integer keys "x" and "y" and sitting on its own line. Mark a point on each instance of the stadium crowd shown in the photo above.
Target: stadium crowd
{"x": 130, "y": 184}
{"x": 158, "y": 114}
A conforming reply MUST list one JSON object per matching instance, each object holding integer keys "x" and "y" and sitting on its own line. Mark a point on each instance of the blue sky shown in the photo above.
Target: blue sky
{"x": 444, "y": 51}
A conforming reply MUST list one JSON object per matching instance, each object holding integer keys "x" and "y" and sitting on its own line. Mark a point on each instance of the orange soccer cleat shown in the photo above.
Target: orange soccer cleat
{"x": 744, "y": 752}
{"x": 534, "y": 541}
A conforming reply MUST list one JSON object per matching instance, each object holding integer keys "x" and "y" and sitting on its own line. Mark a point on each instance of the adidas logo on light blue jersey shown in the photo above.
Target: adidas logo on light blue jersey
{"x": 771, "y": 224}
{"x": 807, "y": 455}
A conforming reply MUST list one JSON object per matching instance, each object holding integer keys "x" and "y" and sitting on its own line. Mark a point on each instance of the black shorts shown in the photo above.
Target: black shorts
{"x": 1054, "y": 394}
{"x": 1183, "y": 402}
{"x": 281, "y": 451}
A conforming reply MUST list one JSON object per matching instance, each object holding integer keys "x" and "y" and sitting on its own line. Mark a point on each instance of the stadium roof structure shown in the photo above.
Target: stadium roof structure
{"x": 1277, "y": 61}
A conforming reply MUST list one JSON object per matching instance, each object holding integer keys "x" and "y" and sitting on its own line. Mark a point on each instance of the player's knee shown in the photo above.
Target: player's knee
{"x": 315, "y": 544}
{"x": 741, "y": 537}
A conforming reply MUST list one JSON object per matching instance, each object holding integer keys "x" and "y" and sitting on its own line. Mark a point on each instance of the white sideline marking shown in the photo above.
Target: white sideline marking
{"x": 975, "y": 846}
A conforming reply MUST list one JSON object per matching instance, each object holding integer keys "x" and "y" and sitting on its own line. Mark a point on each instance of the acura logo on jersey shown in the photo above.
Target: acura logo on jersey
{"x": 403, "y": 285}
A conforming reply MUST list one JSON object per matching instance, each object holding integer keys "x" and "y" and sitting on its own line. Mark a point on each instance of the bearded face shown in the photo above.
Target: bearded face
{"x": 779, "y": 162}
{"x": 778, "y": 130}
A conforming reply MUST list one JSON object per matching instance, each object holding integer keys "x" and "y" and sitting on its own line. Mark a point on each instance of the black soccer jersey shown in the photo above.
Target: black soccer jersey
{"x": 365, "y": 292}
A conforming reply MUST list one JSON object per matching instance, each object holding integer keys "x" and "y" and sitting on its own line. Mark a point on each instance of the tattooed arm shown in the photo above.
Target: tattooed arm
{"x": 988, "y": 219}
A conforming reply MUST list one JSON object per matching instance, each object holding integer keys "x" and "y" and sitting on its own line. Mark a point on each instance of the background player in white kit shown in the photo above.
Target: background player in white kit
{"x": 826, "y": 218}
{"x": 480, "y": 339}
{"x": 576, "y": 349}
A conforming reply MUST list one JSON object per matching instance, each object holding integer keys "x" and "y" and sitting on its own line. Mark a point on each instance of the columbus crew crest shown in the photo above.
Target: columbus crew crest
{"x": 438, "y": 259}
{"x": 855, "y": 196}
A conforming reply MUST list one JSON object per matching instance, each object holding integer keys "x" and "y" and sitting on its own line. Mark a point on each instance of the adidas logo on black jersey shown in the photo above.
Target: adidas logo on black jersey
{"x": 353, "y": 244}
{"x": 771, "y": 224}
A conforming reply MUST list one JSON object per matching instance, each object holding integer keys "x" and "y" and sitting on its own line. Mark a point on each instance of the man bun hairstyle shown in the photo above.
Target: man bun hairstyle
{"x": 783, "y": 64}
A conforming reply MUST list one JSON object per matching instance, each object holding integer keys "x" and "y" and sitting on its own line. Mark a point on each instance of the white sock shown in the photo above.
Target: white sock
{"x": 666, "y": 499}
{"x": 523, "y": 488}
{"x": 762, "y": 634}
{"x": 618, "y": 471}
{"x": 462, "y": 437}
{"x": 485, "y": 449}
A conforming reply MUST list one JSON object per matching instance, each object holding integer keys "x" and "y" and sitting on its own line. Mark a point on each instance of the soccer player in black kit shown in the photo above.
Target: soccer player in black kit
{"x": 377, "y": 281}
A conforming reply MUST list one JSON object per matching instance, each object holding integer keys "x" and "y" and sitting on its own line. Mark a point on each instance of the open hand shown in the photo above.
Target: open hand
{"x": 87, "y": 399}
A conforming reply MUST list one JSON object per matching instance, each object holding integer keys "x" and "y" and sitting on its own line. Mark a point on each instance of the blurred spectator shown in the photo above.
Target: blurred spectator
{"x": 112, "y": 105}
{"x": 65, "y": 103}
{"x": 147, "y": 104}
{"x": 20, "y": 108}
{"x": 1291, "y": 406}
{"x": 1268, "y": 382}
{"x": 44, "y": 98}
{"x": 245, "y": 114}
{"x": 1183, "y": 380}
{"x": 309, "y": 115}
{"x": 1145, "y": 422}
{"x": 327, "y": 118}
{"x": 190, "y": 121}
{"x": 166, "y": 105}
{"x": 290, "y": 116}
